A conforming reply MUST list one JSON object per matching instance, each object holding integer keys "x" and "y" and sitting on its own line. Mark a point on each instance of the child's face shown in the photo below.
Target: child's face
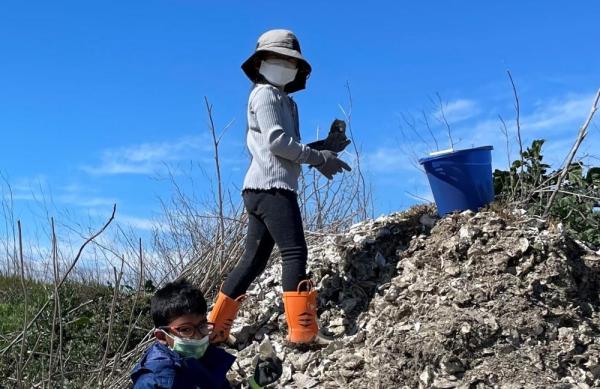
{"x": 189, "y": 326}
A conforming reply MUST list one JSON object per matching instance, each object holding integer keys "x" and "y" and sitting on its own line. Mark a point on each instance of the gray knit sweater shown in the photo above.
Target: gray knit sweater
{"x": 273, "y": 139}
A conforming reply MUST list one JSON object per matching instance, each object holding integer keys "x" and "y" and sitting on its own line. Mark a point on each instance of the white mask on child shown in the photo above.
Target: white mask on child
{"x": 189, "y": 347}
{"x": 278, "y": 71}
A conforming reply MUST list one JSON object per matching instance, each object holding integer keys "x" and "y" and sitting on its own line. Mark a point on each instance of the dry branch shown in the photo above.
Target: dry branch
{"x": 583, "y": 131}
{"x": 444, "y": 120}
{"x": 117, "y": 278}
{"x": 216, "y": 141}
{"x": 518, "y": 123}
{"x": 25, "y": 307}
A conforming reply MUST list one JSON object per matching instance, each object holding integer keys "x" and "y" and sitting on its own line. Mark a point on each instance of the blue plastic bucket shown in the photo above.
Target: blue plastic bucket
{"x": 460, "y": 179}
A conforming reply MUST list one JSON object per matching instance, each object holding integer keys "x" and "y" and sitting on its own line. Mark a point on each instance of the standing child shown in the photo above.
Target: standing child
{"x": 276, "y": 68}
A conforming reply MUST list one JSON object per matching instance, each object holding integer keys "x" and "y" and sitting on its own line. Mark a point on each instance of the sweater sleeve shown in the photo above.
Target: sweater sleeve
{"x": 267, "y": 108}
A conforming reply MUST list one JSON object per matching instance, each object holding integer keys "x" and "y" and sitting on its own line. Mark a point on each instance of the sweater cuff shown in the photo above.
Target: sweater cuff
{"x": 314, "y": 157}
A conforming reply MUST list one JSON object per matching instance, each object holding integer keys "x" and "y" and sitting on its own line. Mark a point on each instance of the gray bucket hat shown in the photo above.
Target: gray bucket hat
{"x": 283, "y": 43}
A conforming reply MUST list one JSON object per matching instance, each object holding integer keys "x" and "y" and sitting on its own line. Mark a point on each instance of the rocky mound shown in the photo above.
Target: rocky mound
{"x": 472, "y": 300}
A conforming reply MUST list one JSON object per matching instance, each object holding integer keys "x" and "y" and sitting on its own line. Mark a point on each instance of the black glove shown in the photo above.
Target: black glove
{"x": 331, "y": 165}
{"x": 336, "y": 140}
{"x": 267, "y": 371}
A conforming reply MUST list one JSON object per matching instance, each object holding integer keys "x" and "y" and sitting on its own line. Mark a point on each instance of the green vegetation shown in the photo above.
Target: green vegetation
{"x": 12, "y": 304}
{"x": 78, "y": 339}
{"x": 529, "y": 183}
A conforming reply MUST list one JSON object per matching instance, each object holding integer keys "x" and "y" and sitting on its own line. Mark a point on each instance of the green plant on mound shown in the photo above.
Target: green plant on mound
{"x": 64, "y": 349}
{"x": 12, "y": 305}
{"x": 524, "y": 175}
{"x": 529, "y": 184}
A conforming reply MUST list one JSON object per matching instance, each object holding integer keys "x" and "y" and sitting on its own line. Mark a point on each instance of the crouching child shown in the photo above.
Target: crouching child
{"x": 182, "y": 356}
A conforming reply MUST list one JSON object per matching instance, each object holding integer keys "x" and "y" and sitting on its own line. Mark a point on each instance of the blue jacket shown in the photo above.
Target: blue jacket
{"x": 163, "y": 368}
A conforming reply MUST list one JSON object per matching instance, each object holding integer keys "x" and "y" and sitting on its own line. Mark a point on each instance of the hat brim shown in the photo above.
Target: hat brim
{"x": 250, "y": 67}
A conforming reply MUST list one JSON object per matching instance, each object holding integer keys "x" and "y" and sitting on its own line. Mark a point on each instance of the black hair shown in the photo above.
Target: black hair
{"x": 176, "y": 299}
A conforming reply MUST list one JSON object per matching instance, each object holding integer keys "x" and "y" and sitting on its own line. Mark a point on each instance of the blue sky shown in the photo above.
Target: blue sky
{"x": 96, "y": 98}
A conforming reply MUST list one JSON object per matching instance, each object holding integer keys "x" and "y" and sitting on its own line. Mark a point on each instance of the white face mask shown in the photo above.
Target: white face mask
{"x": 189, "y": 347}
{"x": 278, "y": 71}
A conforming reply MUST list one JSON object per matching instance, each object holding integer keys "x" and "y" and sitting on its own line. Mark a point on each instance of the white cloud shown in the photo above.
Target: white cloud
{"x": 556, "y": 120}
{"x": 23, "y": 189}
{"x": 19, "y": 196}
{"x": 458, "y": 110}
{"x": 554, "y": 117}
{"x": 125, "y": 220}
{"x": 86, "y": 202}
{"x": 563, "y": 115}
{"x": 478, "y": 133}
{"x": 138, "y": 223}
{"x": 76, "y": 194}
{"x": 37, "y": 189}
{"x": 388, "y": 160}
{"x": 147, "y": 158}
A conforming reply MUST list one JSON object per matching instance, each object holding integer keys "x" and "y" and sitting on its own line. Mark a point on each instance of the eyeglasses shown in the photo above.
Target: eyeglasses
{"x": 189, "y": 331}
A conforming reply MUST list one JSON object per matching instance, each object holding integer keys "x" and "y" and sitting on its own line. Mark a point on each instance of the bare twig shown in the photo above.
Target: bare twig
{"x": 9, "y": 227}
{"x": 504, "y": 130}
{"x": 361, "y": 189}
{"x": 32, "y": 352}
{"x": 426, "y": 121}
{"x": 20, "y": 365}
{"x": 518, "y": 123}
{"x": 568, "y": 193}
{"x": 216, "y": 140}
{"x": 417, "y": 197}
{"x": 411, "y": 123}
{"x": 138, "y": 295}
{"x": 580, "y": 137}
{"x": 117, "y": 277}
{"x": 79, "y": 307}
{"x": 444, "y": 120}
{"x": 57, "y": 311}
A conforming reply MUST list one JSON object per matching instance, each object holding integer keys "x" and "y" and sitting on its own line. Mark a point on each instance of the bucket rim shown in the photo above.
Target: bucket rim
{"x": 453, "y": 153}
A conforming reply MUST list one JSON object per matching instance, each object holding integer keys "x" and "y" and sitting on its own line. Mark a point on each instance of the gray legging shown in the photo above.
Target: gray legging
{"x": 273, "y": 217}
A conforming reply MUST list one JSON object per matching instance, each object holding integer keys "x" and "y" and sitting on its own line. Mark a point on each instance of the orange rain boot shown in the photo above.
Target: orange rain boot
{"x": 222, "y": 315}
{"x": 301, "y": 314}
